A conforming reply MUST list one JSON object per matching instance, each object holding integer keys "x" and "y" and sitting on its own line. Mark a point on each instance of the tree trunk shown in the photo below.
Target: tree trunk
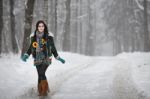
{"x": 53, "y": 17}
{"x": 15, "y": 48}
{"x": 55, "y": 37}
{"x": 66, "y": 40}
{"x": 75, "y": 28}
{"x": 146, "y": 34}
{"x": 90, "y": 37}
{"x": 78, "y": 27}
{"x": 1, "y": 25}
{"x": 28, "y": 24}
{"x": 46, "y": 11}
{"x": 80, "y": 20}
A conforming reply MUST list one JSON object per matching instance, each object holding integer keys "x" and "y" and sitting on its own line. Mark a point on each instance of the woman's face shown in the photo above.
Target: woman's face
{"x": 41, "y": 27}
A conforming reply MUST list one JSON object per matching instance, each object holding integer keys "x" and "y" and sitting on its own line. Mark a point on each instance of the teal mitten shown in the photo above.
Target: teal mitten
{"x": 24, "y": 57}
{"x": 61, "y": 60}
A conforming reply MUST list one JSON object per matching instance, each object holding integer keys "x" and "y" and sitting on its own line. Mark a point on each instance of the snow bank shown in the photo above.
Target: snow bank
{"x": 140, "y": 64}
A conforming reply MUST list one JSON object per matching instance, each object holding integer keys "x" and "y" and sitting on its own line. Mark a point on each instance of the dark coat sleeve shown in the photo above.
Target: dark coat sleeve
{"x": 53, "y": 48}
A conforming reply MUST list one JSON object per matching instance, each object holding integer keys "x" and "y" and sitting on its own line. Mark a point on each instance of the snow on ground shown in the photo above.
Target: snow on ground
{"x": 140, "y": 68}
{"x": 125, "y": 76}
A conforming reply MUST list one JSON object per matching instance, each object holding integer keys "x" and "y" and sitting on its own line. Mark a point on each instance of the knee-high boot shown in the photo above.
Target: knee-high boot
{"x": 39, "y": 89}
{"x": 43, "y": 88}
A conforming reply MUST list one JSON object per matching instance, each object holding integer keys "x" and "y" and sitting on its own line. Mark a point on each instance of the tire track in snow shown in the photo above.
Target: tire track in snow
{"x": 65, "y": 75}
{"x": 93, "y": 82}
{"x": 123, "y": 85}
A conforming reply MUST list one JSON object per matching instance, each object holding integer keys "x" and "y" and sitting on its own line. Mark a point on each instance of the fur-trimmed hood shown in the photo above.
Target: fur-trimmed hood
{"x": 49, "y": 34}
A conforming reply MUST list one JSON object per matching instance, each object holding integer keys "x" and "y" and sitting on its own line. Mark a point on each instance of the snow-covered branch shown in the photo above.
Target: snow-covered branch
{"x": 139, "y": 5}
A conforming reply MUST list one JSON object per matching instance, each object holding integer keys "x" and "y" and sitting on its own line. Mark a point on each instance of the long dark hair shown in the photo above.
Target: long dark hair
{"x": 45, "y": 29}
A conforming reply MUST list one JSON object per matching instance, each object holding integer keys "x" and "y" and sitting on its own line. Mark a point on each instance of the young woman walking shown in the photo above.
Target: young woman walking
{"x": 42, "y": 47}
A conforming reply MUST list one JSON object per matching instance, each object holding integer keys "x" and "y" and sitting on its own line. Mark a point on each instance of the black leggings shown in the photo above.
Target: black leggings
{"x": 41, "y": 69}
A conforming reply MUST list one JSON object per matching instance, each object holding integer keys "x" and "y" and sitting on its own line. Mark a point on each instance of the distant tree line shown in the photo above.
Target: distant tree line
{"x": 90, "y": 27}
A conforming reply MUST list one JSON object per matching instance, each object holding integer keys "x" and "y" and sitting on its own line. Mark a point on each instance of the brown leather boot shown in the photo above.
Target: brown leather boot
{"x": 44, "y": 86}
{"x": 39, "y": 89}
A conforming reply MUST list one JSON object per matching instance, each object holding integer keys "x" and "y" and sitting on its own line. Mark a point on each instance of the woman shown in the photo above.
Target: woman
{"x": 42, "y": 47}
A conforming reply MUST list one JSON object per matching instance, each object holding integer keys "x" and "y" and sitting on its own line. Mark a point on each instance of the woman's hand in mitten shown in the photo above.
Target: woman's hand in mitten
{"x": 61, "y": 60}
{"x": 24, "y": 57}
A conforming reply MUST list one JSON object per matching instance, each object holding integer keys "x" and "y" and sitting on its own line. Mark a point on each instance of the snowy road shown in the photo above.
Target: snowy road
{"x": 104, "y": 79}
{"x": 93, "y": 82}
{"x": 85, "y": 78}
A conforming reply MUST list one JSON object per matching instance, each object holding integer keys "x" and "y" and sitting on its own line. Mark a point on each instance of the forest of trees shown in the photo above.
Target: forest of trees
{"x": 89, "y": 27}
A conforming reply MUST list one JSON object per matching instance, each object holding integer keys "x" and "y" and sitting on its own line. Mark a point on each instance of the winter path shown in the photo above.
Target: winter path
{"x": 93, "y": 82}
{"x": 123, "y": 85}
{"x": 108, "y": 78}
{"x": 125, "y": 76}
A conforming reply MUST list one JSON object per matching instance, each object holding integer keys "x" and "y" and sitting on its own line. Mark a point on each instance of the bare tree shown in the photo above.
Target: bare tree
{"x": 1, "y": 25}
{"x": 90, "y": 33}
{"x": 28, "y": 24}
{"x": 46, "y": 11}
{"x": 12, "y": 23}
{"x": 146, "y": 32}
{"x": 66, "y": 40}
{"x": 55, "y": 37}
{"x": 53, "y": 17}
